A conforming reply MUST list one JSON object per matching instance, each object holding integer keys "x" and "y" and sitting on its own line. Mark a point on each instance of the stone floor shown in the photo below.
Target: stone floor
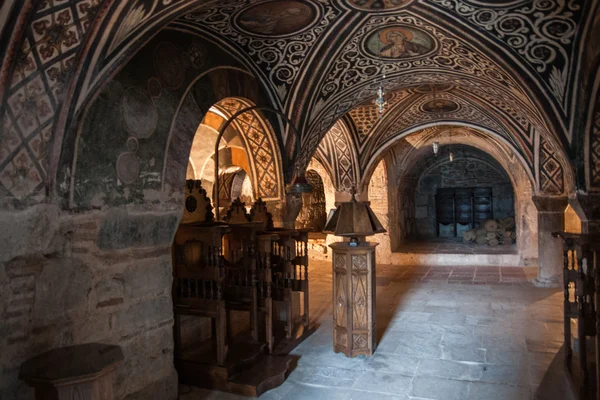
{"x": 439, "y": 339}
{"x": 454, "y": 246}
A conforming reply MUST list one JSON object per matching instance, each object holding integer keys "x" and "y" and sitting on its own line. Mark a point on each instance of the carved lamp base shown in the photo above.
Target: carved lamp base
{"x": 354, "y": 328}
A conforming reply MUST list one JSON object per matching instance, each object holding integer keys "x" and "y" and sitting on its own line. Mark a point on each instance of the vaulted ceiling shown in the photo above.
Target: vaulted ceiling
{"x": 510, "y": 67}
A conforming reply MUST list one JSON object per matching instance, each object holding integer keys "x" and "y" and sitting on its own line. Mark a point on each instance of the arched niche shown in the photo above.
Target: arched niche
{"x": 313, "y": 214}
{"x": 404, "y": 154}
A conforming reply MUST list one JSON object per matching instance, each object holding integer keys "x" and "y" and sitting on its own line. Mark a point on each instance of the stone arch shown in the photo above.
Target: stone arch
{"x": 249, "y": 142}
{"x": 313, "y": 213}
{"x": 326, "y": 176}
{"x": 428, "y": 130}
{"x": 149, "y": 141}
{"x": 261, "y": 147}
{"x": 234, "y": 183}
{"x": 405, "y": 151}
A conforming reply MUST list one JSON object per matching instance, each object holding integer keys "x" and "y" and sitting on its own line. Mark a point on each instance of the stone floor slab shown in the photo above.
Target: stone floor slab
{"x": 438, "y": 340}
{"x": 440, "y": 389}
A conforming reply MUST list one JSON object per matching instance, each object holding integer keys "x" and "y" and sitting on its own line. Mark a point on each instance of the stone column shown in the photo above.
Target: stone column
{"x": 550, "y": 249}
{"x": 587, "y": 207}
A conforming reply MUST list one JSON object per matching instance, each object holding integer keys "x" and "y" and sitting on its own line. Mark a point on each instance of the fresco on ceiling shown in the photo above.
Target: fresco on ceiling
{"x": 278, "y": 18}
{"x": 378, "y": 5}
{"x": 399, "y": 42}
{"x": 440, "y": 106}
{"x": 430, "y": 88}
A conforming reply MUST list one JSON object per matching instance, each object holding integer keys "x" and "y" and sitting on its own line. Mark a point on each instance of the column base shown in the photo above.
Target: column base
{"x": 554, "y": 282}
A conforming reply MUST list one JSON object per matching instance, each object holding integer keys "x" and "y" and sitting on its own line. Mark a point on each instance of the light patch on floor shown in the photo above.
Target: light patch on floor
{"x": 438, "y": 340}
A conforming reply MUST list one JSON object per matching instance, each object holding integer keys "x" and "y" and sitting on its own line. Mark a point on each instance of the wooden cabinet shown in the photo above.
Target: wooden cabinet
{"x": 354, "y": 329}
{"x": 463, "y": 206}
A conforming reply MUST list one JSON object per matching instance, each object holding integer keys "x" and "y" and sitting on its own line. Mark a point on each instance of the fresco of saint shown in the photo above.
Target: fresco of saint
{"x": 281, "y": 18}
{"x": 398, "y": 44}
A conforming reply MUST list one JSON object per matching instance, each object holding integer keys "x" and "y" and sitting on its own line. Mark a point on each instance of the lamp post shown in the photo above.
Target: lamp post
{"x": 354, "y": 327}
{"x": 299, "y": 186}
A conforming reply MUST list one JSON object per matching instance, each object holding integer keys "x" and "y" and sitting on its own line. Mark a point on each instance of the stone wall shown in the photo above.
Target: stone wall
{"x": 469, "y": 169}
{"x": 378, "y": 196}
{"x": 94, "y": 263}
{"x": 94, "y": 277}
{"x": 313, "y": 213}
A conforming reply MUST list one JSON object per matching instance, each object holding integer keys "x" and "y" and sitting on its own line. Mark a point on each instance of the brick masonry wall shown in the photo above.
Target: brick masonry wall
{"x": 465, "y": 171}
{"x": 84, "y": 286}
{"x": 378, "y": 196}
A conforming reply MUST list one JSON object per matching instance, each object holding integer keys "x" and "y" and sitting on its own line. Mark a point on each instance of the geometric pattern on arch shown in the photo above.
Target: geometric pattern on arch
{"x": 261, "y": 148}
{"x": 337, "y": 153}
{"x": 551, "y": 170}
{"x": 43, "y": 66}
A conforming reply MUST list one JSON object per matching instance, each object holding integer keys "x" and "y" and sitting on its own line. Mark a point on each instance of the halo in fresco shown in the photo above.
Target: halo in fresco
{"x": 399, "y": 42}
{"x": 440, "y": 106}
{"x": 277, "y": 18}
{"x": 378, "y": 5}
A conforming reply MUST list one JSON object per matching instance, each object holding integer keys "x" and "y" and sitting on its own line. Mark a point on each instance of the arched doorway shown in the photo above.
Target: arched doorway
{"x": 313, "y": 213}
{"x": 416, "y": 174}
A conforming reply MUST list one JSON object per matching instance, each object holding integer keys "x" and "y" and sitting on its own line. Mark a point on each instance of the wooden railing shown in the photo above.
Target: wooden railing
{"x": 581, "y": 305}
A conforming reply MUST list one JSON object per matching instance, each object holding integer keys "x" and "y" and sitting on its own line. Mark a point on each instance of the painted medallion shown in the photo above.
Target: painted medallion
{"x": 398, "y": 42}
{"x": 440, "y": 106}
{"x": 277, "y": 18}
{"x": 378, "y": 5}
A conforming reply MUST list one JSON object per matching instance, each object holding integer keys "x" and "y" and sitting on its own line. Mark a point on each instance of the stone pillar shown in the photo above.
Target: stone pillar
{"x": 587, "y": 207}
{"x": 550, "y": 249}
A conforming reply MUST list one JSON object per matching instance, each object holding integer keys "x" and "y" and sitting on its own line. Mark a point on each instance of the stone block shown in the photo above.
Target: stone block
{"x": 148, "y": 276}
{"x": 120, "y": 230}
{"x": 31, "y": 231}
{"x": 109, "y": 291}
{"x": 143, "y": 316}
{"x": 62, "y": 287}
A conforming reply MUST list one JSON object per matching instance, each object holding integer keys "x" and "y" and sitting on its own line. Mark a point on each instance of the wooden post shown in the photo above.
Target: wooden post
{"x": 355, "y": 329}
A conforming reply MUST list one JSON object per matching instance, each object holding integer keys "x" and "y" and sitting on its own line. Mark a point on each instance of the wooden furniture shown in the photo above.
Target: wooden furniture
{"x": 198, "y": 283}
{"x": 248, "y": 262}
{"x": 581, "y": 306}
{"x": 354, "y": 327}
{"x": 289, "y": 266}
{"x": 464, "y": 206}
{"x": 220, "y": 268}
{"x": 82, "y": 372}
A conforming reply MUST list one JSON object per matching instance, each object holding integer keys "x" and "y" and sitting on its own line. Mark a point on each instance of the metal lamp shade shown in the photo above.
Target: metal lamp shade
{"x": 299, "y": 186}
{"x": 352, "y": 219}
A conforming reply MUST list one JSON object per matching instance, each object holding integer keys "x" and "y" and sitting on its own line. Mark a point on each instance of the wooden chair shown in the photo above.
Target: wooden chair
{"x": 248, "y": 276}
{"x": 289, "y": 265}
{"x": 198, "y": 281}
{"x": 198, "y": 271}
